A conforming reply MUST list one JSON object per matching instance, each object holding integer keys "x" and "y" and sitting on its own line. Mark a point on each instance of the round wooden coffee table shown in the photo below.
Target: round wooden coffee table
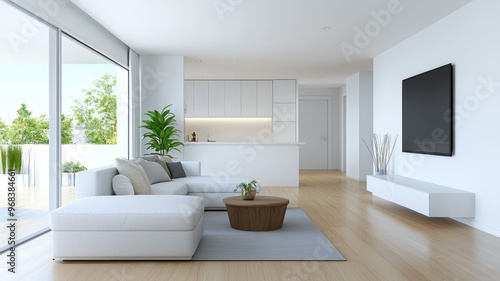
{"x": 261, "y": 214}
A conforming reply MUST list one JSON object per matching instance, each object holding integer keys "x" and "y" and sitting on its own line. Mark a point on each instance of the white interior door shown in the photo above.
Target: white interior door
{"x": 313, "y": 131}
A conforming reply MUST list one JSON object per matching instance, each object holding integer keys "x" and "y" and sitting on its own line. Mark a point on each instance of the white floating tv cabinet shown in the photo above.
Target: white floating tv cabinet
{"x": 429, "y": 199}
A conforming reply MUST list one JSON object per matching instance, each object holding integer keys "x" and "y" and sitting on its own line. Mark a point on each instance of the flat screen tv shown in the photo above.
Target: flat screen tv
{"x": 428, "y": 112}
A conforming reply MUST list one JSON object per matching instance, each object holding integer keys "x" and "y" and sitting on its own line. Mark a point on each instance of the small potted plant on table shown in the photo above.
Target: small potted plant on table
{"x": 248, "y": 190}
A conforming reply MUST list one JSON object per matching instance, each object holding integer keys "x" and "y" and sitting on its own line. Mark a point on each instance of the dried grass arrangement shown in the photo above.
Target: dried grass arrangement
{"x": 381, "y": 151}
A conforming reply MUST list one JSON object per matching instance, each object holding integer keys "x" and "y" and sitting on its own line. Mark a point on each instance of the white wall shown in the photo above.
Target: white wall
{"x": 162, "y": 83}
{"x": 468, "y": 39}
{"x": 359, "y": 102}
{"x": 335, "y": 121}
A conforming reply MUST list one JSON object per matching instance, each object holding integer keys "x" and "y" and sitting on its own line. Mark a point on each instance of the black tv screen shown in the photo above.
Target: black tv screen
{"x": 428, "y": 112}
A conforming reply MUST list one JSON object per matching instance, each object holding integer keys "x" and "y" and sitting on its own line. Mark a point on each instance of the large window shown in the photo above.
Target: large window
{"x": 94, "y": 115}
{"x": 92, "y": 99}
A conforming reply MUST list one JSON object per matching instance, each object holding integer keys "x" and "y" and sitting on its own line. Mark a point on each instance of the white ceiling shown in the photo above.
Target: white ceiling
{"x": 266, "y": 39}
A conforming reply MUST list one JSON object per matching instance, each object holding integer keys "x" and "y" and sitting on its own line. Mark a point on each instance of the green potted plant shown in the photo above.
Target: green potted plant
{"x": 68, "y": 172}
{"x": 162, "y": 134}
{"x": 248, "y": 190}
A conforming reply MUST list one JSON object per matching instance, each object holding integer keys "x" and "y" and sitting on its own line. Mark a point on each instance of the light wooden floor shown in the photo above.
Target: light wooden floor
{"x": 31, "y": 210}
{"x": 380, "y": 240}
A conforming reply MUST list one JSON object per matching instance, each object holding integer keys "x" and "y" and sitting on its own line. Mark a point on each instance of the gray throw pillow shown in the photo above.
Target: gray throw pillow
{"x": 176, "y": 170}
{"x": 154, "y": 171}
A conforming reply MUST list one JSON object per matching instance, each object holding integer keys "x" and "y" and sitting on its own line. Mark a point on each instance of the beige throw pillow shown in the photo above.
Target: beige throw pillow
{"x": 135, "y": 173}
{"x": 165, "y": 158}
{"x": 163, "y": 164}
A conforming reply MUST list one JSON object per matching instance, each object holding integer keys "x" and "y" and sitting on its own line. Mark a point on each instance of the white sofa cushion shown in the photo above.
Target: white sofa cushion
{"x": 173, "y": 187}
{"x": 136, "y": 174}
{"x": 122, "y": 185}
{"x": 154, "y": 171}
{"x": 129, "y": 213}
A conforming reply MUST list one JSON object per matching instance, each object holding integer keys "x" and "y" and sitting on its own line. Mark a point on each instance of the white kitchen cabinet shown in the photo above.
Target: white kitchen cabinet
{"x": 249, "y": 98}
{"x": 284, "y": 91}
{"x": 200, "y": 98}
{"x": 216, "y": 98}
{"x": 233, "y": 99}
{"x": 284, "y": 112}
{"x": 188, "y": 98}
{"x": 284, "y": 131}
{"x": 265, "y": 98}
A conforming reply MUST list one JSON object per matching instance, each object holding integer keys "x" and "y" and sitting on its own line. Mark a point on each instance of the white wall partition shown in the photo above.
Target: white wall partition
{"x": 359, "y": 103}
{"x": 162, "y": 83}
{"x": 134, "y": 104}
{"x": 271, "y": 164}
{"x": 467, "y": 39}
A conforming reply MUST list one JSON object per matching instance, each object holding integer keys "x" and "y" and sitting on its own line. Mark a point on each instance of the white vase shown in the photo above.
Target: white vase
{"x": 380, "y": 172}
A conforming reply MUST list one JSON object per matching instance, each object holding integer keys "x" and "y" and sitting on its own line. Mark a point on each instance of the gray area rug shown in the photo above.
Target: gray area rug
{"x": 298, "y": 239}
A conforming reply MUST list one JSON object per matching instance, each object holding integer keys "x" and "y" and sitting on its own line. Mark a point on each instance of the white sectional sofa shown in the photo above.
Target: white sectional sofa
{"x": 165, "y": 224}
{"x": 213, "y": 189}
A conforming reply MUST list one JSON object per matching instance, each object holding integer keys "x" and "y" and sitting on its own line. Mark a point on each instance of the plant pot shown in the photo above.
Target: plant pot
{"x": 249, "y": 195}
{"x": 68, "y": 179}
{"x": 380, "y": 172}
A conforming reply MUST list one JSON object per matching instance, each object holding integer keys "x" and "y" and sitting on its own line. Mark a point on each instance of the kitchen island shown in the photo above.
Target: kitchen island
{"x": 271, "y": 164}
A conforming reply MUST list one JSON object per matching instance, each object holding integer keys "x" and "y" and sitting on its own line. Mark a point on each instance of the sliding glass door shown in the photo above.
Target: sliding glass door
{"x": 24, "y": 121}
{"x": 94, "y": 126}
{"x": 84, "y": 93}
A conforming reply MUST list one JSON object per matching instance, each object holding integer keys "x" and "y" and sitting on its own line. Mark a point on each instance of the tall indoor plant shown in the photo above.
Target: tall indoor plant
{"x": 163, "y": 135}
